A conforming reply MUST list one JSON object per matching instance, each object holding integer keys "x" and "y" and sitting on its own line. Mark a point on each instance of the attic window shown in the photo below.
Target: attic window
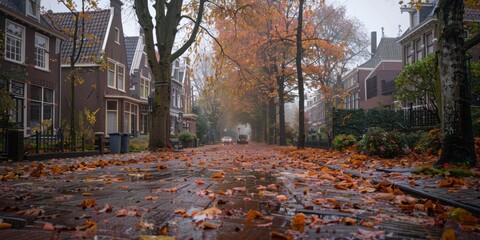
{"x": 117, "y": 36}
{"x": 33, "y": 8}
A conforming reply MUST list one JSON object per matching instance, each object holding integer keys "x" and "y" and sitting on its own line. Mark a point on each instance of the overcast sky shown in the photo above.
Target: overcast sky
{"x": 374, "y": 14}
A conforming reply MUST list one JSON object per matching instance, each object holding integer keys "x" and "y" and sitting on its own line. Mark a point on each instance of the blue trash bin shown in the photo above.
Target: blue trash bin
{"x": 125, "y": 143}
{"x": 115, "y": 143}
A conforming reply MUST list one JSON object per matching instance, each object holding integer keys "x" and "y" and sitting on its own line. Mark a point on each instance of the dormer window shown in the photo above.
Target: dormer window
{"x": 414, "y": 18}
{"x": 33, "y": 8}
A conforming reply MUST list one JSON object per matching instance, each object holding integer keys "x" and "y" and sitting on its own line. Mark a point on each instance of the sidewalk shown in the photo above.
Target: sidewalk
{"x": 215, "y": 192}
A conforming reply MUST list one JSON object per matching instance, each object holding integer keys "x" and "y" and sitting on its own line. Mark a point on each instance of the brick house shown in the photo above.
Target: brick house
{"x": 420, "y": 39}
{"x": 31, "y": 46}
{"x": 140, "y": 77}
{"x": 377, "y": 87}
{"x": 103, "y": 68}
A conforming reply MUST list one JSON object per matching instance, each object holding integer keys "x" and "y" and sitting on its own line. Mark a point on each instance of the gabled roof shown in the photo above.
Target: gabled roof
{"x": 16, "y": 9}
{"x": 388, "y": 49}
{"x": 96, "y": 26}
{"x": 130, "y": 47}
{"x": 10, "y": 4}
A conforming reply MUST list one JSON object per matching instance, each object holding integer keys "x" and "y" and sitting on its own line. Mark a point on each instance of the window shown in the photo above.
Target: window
{"x": 146, "y": 60}
{"x": 112, "y": 117}
{"x": 371, "y": 87}
{"x": 409, "y": 54}
{"x": 429, "y": 40}
{"x": 174, "y": 102}
{"x": 41, "y": 105}
{"x": 32, "y": 8}
{"x": 111, "y": 74}
{"x": 414, "y": 18}
{"x": 15, "y": 42}
{"x": 116, "y": 75}
{"x": 355, "y": 98}
{"x": 130, "y": 118}
{"x": 41, "y": 51}
{"x": 419, "y": 50}
{"x": 144, "y": 87}
{"x": 120, "y": 77}
{"x": 117, "y": 36}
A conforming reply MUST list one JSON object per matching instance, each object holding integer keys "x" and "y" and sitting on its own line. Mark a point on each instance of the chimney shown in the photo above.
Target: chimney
{"x": 117, "y": 6}
{"x": 373, "y": 43}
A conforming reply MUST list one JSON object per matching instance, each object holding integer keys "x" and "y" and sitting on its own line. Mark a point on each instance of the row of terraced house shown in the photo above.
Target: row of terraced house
{"x": 115, "y": 78}
{"x": 372, "y": 84}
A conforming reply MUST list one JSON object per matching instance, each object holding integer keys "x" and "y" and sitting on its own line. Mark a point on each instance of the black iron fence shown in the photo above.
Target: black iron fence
{"x": 419, "y": 117}
{"x": 52, "y": 142}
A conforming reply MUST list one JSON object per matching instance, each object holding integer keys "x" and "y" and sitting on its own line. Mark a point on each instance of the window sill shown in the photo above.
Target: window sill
{"x": 16, "y": 62}
{"x": 43, "y": 69}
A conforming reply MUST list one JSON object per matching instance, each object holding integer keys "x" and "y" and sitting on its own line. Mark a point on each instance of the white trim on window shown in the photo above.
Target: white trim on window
{"x": 115, "y": 75}
{"x": 42, "y": 58}
{"x": 14, "y": 42}
{"x": 33, "y": 8}
{"x": 117, "y": 36}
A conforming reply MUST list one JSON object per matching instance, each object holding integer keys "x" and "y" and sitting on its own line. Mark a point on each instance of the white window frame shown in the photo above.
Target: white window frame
{"x": 116, "y": 116}
{"x": 32, "y": 8}
{"x": 43, "y": 103}
{"x": 18, "y": 40}
{"x": 118, "y": 71}
{"x": 111, "y": 66}
{"x": 144, "y": 87}
{"x": 117, "y": 36}
{"x": 45, "y": 50}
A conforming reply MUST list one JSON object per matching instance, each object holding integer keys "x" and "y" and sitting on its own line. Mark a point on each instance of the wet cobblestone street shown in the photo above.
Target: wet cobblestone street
{"x": 206, "y": 193}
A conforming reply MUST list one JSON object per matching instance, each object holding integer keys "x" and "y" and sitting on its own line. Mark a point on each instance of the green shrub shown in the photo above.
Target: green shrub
{"x": 186, "y": 136}
{"x": 431, "y": 141}
{"x": 343, "y": 141}
{"x": 382, "y": 143}
{"x": 412, "y": 139}
{"x": 138, "y": 144}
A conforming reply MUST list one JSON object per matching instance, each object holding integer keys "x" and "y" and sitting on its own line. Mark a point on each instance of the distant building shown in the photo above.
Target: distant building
{"x": 140, "y": 78}
{"x": 376, "y": 77}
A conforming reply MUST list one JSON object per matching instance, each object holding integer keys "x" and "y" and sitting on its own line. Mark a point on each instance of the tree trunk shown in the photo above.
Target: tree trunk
{"x": 160, "y": 131}
{"x": 271, "y": 116}
{"x": 301, "y": 103}
{"x": 281, "y": 110}
{"x": 458, "y": 145}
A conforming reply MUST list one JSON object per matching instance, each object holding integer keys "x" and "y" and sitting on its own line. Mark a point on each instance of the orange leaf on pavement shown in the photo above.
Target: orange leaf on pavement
{"x": 4, "y": 225}
{"x": 448, "y": 234}
{"x": 349, "y": 221}
{"x": 217, "y": 175}
{"x": 298, "y": 222}
{"x": 87, "y": 203}
{"x": 254, "y": 214}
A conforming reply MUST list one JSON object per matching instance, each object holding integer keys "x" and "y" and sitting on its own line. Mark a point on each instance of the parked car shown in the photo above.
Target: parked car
{"x": 227, "y": 140}
{"x": 242, "y": 139}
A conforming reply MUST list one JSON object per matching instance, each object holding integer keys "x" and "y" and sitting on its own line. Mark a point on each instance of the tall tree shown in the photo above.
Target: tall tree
{"x": 301, "y": 93}
{"x": 458, "y": 145}
{"x": 160, "y": 31}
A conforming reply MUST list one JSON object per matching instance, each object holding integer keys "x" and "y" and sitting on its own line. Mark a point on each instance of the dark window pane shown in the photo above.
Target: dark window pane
{"x": 111, "y": 105}
{"x": 35, "y": 113}
{"x": 48, "y": 95}
{"x": 36, "y": 93}
{"x": 47, "y": 112}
